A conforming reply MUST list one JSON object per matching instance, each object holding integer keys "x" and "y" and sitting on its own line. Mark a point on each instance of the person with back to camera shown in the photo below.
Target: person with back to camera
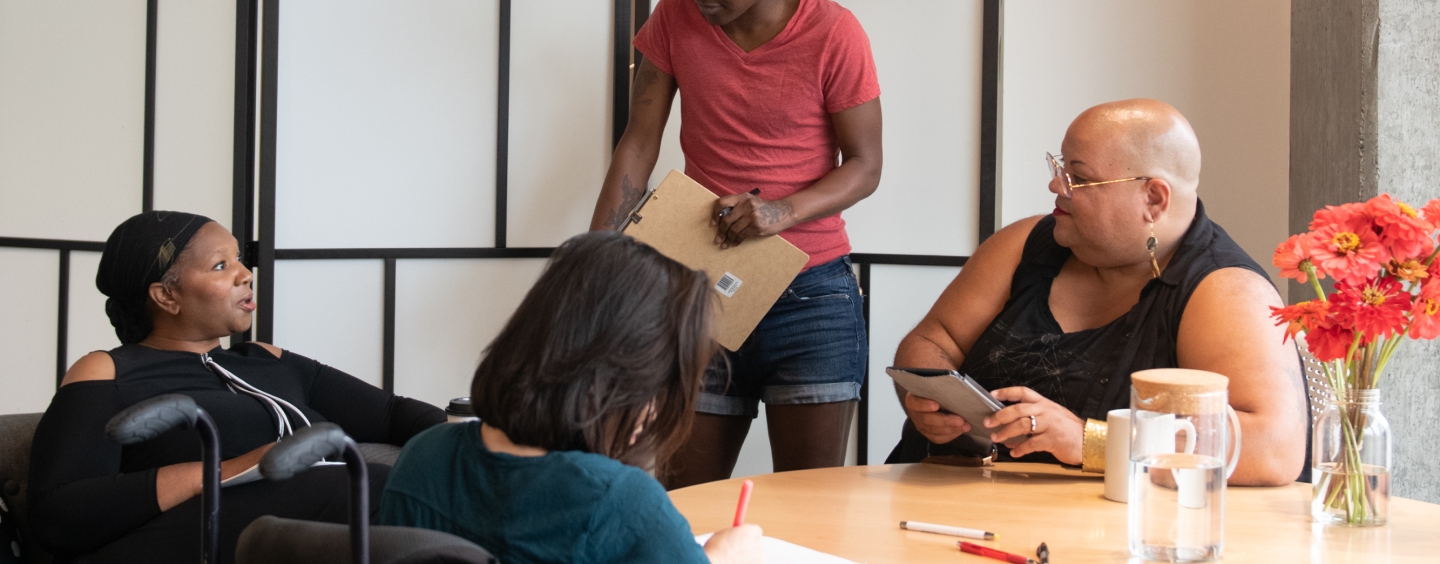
{"x": 1053, "y": 313}
{"x": 593, "y": 378}
{"x": 774, "y": 92}
{"x": 175, "y": 285}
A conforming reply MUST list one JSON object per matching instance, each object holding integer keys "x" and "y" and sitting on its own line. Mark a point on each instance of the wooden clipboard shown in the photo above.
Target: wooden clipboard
{"x": 674, "y": 217}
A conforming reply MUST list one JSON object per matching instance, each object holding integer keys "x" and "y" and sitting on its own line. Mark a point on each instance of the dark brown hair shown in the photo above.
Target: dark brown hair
{"x": 611, "y": 326}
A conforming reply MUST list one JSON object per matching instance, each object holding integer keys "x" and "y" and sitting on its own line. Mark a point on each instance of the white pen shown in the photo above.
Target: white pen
{"x": 947, "y": 530}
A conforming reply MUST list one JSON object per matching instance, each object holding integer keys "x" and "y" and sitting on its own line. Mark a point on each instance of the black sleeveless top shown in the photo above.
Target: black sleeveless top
{"x": 1088, "y": 371}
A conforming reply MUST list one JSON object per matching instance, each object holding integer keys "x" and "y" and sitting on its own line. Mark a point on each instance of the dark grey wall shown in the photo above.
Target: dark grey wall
{"x": 1365, "y": 120}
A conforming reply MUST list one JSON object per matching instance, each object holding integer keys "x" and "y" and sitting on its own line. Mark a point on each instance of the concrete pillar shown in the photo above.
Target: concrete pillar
{"x": 1365, "y": 120}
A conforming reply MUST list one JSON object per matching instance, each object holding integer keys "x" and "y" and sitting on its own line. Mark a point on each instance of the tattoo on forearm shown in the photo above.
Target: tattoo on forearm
{"x": 775, "y": 211}
{"x": 629, "y": 196}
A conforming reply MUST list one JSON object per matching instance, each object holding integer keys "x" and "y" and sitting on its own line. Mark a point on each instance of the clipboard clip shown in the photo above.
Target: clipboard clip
{"x": 634, "y": 216}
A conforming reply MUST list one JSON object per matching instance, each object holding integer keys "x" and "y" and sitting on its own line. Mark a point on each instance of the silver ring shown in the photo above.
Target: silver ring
{"x": 1032, "y": 424}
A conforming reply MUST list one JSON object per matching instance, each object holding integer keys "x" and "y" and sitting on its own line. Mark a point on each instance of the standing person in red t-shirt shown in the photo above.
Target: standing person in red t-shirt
{"x": 773, "y": 92}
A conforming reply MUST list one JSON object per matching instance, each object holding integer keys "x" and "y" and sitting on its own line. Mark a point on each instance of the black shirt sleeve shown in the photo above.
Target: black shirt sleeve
{"x": 368, "y": 414}
{"x": 79, "y": 499}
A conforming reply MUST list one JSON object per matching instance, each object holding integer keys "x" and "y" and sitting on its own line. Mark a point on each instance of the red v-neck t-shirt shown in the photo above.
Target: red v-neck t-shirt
{"x": 762, "y": 119}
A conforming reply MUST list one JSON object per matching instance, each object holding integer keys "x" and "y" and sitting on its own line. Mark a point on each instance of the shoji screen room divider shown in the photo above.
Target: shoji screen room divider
{"x": 402, "y": 169}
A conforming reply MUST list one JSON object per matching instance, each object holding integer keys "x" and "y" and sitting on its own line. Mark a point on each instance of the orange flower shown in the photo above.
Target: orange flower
{"x": 1425, "y": 314}
{"x": 1353, "y": 214}
{"x": 1432, "y": 212}
{"x": 1410, "y": 271}
{"x": 1300, "y": 316}
{"x": 1329, "y": 341}
{"x": 1292, "y": 257}
{"x": 1402, "y": 231}
{"x": 1374, "y": 309}
{"x": 1348, "y": 254}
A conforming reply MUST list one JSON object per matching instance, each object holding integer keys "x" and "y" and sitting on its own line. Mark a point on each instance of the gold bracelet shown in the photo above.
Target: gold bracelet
{"x": 1092, "y": 451}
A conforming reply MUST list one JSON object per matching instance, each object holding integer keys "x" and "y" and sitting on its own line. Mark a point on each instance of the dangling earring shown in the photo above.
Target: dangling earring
{"x": 1151, "y": 244}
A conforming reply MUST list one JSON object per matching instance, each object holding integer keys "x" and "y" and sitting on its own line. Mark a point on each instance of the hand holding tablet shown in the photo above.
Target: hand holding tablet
{"x": 956, "y": 393}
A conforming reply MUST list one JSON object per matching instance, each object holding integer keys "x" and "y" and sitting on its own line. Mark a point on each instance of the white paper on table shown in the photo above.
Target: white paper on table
{"x": 252, "y": 474}
{"x": 780, "y": 552}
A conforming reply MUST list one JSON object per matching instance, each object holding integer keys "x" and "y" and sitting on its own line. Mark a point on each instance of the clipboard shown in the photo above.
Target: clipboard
{"x": 748, "y": 278}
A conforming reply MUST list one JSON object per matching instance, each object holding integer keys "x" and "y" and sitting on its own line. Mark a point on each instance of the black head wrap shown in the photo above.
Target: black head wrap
{"x": 137, "y": 254}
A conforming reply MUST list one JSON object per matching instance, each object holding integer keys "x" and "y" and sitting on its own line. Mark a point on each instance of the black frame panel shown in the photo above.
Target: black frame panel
{"x": 242, "y": 184}
{"x": 147, "y": 167}
{"x": 264, "y": 326}
{"x": 62, "y": 325}
{"x": 989, "y": 115}
{"x": 502, "y": 129}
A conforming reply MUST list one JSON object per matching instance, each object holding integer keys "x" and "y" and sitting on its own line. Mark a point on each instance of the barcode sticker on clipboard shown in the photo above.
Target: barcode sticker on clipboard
{"x": 727, "y": 285}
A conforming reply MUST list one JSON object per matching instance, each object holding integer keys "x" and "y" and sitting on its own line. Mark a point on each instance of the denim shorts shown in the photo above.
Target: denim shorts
{"x": 810, "y": 348}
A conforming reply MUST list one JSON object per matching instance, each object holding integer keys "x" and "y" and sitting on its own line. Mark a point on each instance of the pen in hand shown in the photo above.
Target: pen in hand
{"x": 726, "y": 211}
{"x": 744, "y": 502}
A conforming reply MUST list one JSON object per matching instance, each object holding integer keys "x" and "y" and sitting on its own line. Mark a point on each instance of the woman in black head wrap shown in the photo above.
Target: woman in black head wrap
{"x": 175, "y": 286}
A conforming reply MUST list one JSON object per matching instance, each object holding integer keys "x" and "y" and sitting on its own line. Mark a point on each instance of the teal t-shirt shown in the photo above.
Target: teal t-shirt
{"x": 565, "y": 506}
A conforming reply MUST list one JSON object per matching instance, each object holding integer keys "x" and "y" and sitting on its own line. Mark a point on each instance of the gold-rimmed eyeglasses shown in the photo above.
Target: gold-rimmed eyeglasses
{"x": 1068, "y": 183}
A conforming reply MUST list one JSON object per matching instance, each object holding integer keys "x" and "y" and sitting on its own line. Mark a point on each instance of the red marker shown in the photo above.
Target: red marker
{"x": 744, "y": 502}
{"x": 996, "y": 554}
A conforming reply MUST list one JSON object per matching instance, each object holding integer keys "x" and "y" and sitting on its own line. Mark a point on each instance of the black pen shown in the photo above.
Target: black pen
{"x": 726, "y": 211}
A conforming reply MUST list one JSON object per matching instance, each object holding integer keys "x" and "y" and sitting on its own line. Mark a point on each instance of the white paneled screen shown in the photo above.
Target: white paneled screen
{"x": 560, "y": 92}
{"x": 27, "y": 333}
{"x": 332, "y": 311}
{"x": 927, "y": 55}
{"x": 72, "y": 117}
{"x": 446, "y": 312}
{"x": 386, "y": 124}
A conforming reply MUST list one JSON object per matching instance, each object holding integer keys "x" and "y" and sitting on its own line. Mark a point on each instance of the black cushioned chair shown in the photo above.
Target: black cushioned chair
{"x": 16, "y": 434}
{"x": 272, "y": 540}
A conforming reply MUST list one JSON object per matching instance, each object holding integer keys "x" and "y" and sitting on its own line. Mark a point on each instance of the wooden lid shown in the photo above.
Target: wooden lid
{"x": 1179, "y": 390}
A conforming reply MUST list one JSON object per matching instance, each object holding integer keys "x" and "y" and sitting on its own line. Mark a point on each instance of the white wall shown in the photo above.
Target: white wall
{"x": 1225, "y": 64}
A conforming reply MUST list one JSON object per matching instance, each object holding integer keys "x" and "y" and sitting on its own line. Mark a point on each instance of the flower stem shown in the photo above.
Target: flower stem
{"x": 1315, "y": 281}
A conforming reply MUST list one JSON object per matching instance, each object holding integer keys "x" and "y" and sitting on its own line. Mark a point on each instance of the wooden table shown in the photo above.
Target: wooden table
{"x": 854, "y": 512}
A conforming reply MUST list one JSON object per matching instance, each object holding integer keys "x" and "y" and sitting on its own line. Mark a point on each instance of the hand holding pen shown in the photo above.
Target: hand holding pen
{"x": 746, "y": 216}
{"x": 740, "y": 544}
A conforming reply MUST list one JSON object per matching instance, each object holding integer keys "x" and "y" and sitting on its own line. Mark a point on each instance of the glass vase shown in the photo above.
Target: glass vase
{"x": 1351, "y": 469}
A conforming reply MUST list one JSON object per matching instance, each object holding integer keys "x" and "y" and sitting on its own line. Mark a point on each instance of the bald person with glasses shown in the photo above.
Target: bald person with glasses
{"x": 1053, "y": 313}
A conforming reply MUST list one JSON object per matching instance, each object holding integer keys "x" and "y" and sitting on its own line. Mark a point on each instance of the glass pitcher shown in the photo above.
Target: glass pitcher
{"x": 1180, "y": 435}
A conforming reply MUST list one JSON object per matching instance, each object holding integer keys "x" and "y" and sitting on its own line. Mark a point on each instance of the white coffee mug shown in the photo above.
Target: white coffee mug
{"x": 1155, "y": 434}
{"x": 1158, "y": 438}
{"x": 1117, "y": 455}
